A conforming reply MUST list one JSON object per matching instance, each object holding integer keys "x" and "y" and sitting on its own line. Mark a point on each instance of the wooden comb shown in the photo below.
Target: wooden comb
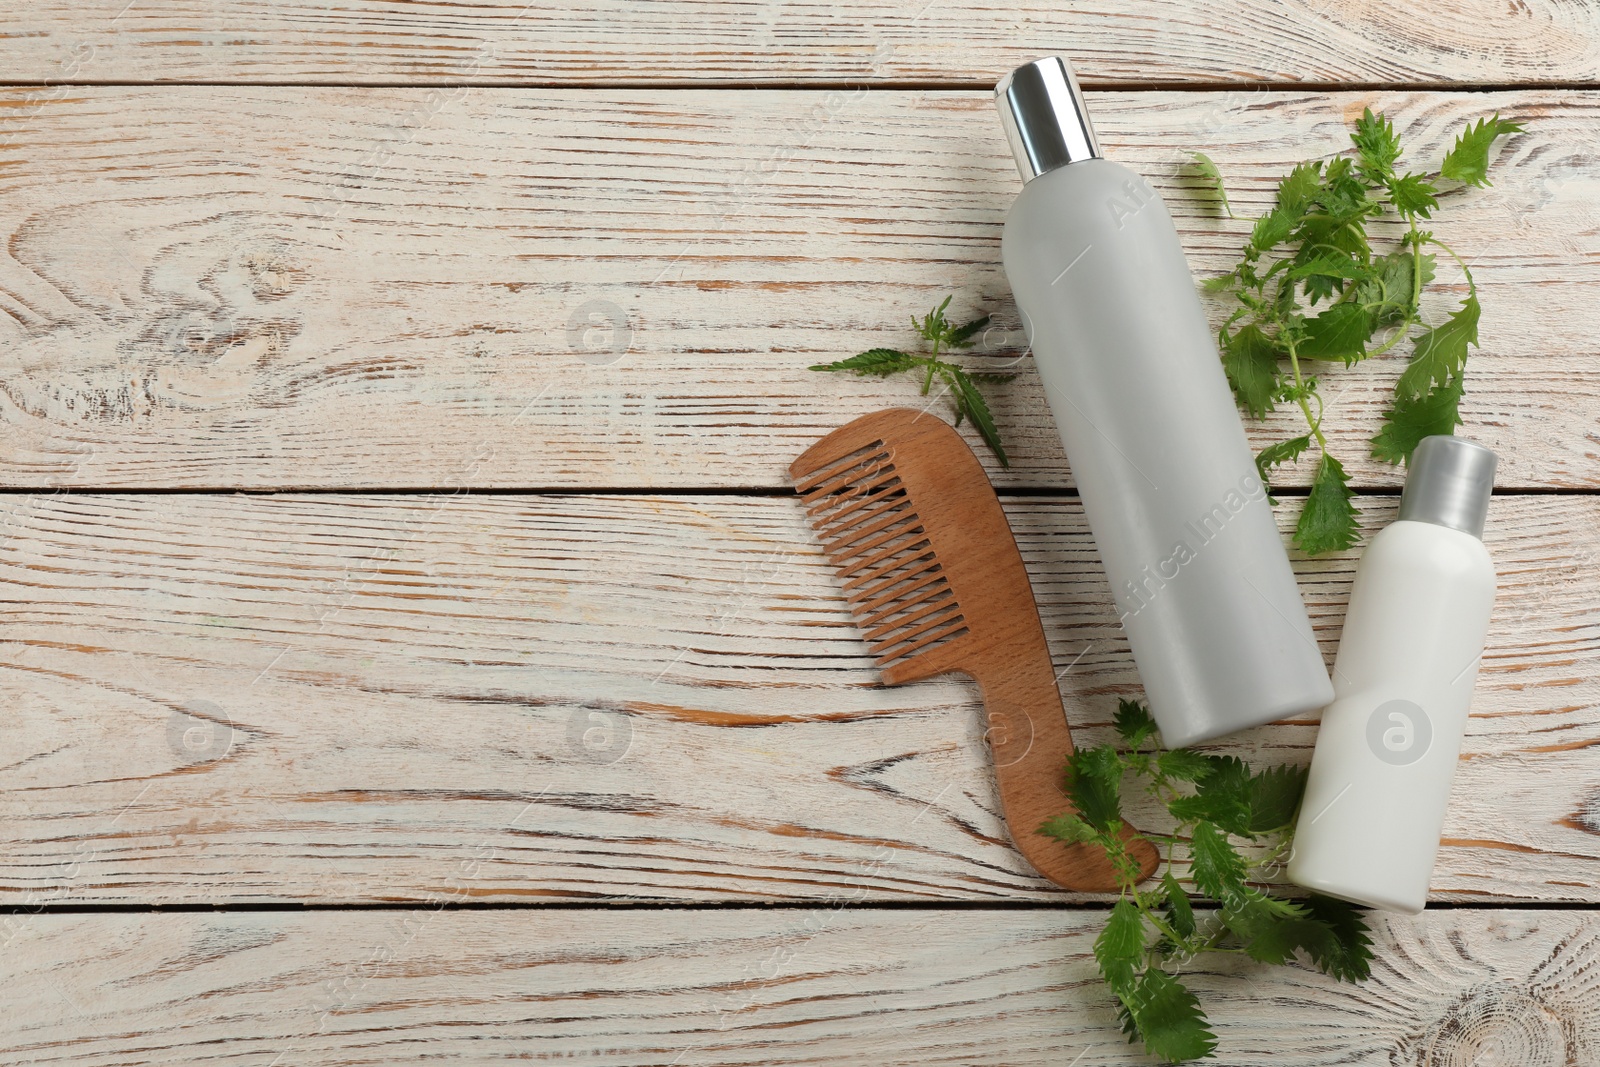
{"x": 933, "y": 576}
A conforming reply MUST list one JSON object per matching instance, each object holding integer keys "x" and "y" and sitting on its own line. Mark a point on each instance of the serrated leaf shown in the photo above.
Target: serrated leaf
{"x": 1329, "y": 264}
{"x": 1282, "y": 452}
{"x": 1376, "y": 144}
{"x": 1168, "y": 1019}
{"x": 1179, "y": 912}
{"x": 1250, "y": 359}
{"x": 961, "y": 336}
{"x": 1216, "y": 866}
{"x": 1414, "y": 195}
{"x": 1441, "y": 352}
{"x": 880, "y": 361}
{"x": 1341, "y": 231}
{"x": 932, "y": 327}
{"x": 1271, "y": 230}
{"x": 1389, "y": 294}
{"x": 1328, "y": 520}
{"x": 1436, "y": 412}
{"x": 1183, "y": 765}
{"x": 970, "y": 402}
{"x": 1468, "y": 160}
{"x": 1218, "y": 809}
{"x": 1069, "y": 828}
{"x": 1271, "y": 928}
{"x": 1222, "y": 796}
{"x": 1134, "y": 723}
{"x": 1342, "y": 191}
{"x": 1229, "y": 774}
{"x": 1254, "y": 910}
{"x": 1348, "y": 957}
{"x": 1094, "y": 785}
{"x": 1207, "y": 172}
{"x": 1340, "y": 332}
{"x": 1274, "y": 797}
{"x": 1298, "y": 187}
{"x": 1120, "y": 948}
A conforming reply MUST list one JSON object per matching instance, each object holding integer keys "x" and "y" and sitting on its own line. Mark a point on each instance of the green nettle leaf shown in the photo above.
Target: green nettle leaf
{"x": 1272, "y": 929}
{"x": 1229, "y": 775}
{"x": 1134, "y": 723}
{"x": 938, "y": 332}
{"x": 1414, "y": 195}
{"x": 1314, "y": 250}
{"x": 1282, "y": 452}
{"x": 1216, "y": 865}
{"x": 1331, "y": 265}
{"x": 1169, "y": 1019}
{"x": 1340, "y": 332}
{"x": 1208, "y": 173}
{"x": 1226, "y": 811}
{"x": 1250, "y": 359}
{"x": 1296, "y": 190}
{"x": 1120, "y": 947}
{"x": 932, "y": 327}
{"x": 881, "y": 361}
{"x": 1412, "y": 418}
{"x": 1274, "y": 797}
{"x": 1069, "y": 828}
{"x": 1376, "y": 144}
{"x": 1441, "y": 352}
{"x": 1179, "y": 912}
{"x": 1183, "y": 765}
{"x": 1468, "y": 160}
{"x": 1094, "y": 785}
{"x": 961, "y": 337}
{"x": 1221, "y": 797}
{"x": 970, "y": 402}
{"x": 1149, "y": 929}
{"x": 1328, "y": 521}
{"x": 1348, "y": 957}
{"x": 1390, "y": 294}
{"x": 1271, "y": 229}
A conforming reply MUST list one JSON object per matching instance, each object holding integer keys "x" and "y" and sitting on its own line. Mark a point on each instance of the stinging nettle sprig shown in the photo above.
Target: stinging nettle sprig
{"x": 1313, "y": 248}
{"x": 962, "y": 384}
{"x": 1153, "y": 934}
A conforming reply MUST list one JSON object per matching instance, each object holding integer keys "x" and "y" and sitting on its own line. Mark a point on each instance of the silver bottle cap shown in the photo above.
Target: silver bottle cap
{"x": 1042, "y": 109}
{"x": 1449, "y": 484}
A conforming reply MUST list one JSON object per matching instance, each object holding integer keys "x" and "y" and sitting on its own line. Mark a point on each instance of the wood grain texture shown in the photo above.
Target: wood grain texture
{"x": 612, "y": 42}
{"x": 746, "y": 987}
{"x": 213, "y": 699}
{"x": 236, "y": 287}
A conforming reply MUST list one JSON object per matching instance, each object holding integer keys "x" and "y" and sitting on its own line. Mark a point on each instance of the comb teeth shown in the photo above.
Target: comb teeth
{"x": 873, "y": 535}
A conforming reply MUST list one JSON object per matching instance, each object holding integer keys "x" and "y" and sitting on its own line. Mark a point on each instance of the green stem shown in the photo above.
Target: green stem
{"x": 1399, "y": 334}
{"x": 1300, "y": 394}
{"x": 1416, "y": 273}
{"x": 1472, "y": 286}
{"x": 1155, "y": 920}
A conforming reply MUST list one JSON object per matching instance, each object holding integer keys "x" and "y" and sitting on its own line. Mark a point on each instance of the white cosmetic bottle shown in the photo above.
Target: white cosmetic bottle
{"x": 1168, "y": 482}
{"x": 1374, "y": 805}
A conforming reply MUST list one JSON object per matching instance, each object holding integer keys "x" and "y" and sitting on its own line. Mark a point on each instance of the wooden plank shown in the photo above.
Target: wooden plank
{"x": 611, "y": 42}
{"x": 264, "y": 287}
{"x": 214, "y": 699}
{"x": 757, "y": 986}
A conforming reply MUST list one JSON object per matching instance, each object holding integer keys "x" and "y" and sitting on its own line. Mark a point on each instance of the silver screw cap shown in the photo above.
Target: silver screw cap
{"x": 1041, "y": 108}
{"x": 1449, "y": 484}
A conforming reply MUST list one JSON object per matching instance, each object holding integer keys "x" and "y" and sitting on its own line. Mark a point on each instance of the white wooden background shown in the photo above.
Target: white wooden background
{"x": 509, "y": 711}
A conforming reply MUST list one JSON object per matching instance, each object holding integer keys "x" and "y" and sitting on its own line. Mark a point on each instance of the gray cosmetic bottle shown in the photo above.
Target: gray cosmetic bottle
{"x": 1168, "y": 482}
